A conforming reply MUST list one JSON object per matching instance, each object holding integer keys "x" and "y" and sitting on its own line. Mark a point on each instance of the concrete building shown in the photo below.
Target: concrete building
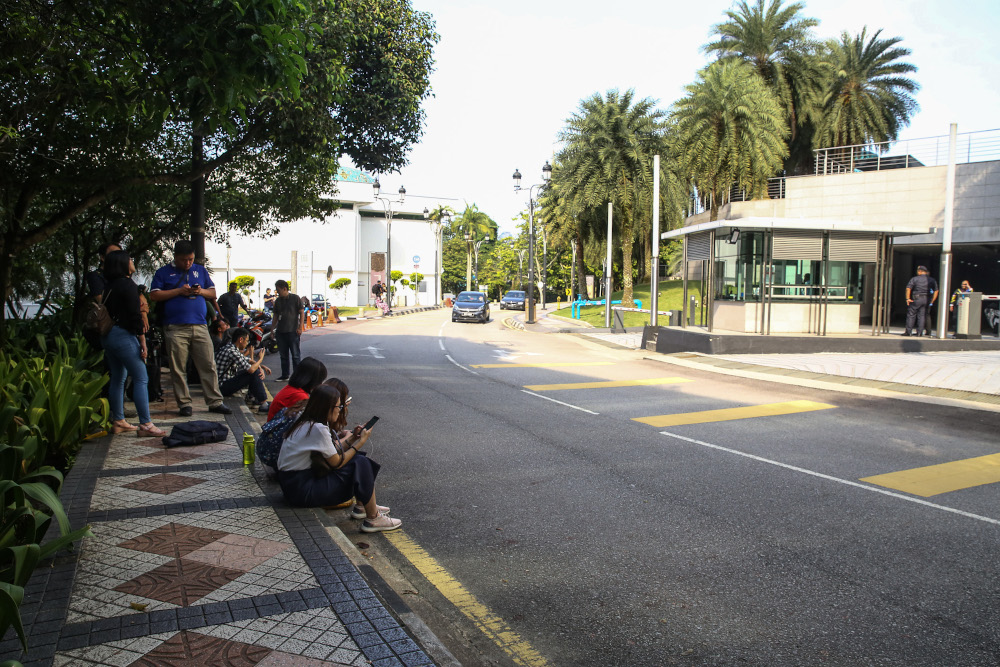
{"x": 350, "y": 244}
{"x": 832, "y": 252}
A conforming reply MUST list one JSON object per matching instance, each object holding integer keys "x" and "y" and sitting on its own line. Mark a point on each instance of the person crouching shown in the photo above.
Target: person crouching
{"x": 237, "y": 371}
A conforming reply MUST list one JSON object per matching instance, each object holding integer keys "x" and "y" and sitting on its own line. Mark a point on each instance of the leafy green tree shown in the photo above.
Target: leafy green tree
{"x": 100, "y": 104}
{"x": 777, "y": 41}
{"x": 394, "y": 277}
{"x": 870, "y": 98}
{"x": 608, "y": 157}
{"x": 472, "y": 225}
{"x": 415, "y": 279}
{"x": 729, "y": 130}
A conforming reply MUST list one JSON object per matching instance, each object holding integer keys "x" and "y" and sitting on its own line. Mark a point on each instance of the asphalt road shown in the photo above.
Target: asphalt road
{"x": 599, "y": 540}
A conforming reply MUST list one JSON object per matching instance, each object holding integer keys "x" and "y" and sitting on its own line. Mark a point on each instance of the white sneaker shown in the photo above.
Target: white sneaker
{"x": 379, "y": 524}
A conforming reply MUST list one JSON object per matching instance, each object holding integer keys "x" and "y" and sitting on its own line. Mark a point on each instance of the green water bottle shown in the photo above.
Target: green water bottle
{"x": 248, "y": 449}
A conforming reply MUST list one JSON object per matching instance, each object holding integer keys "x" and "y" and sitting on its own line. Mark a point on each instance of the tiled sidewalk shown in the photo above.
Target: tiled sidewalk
{"x": 197, "y": 559}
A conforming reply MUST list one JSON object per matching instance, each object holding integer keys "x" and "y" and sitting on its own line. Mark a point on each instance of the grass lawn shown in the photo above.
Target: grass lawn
{"x": 670, "y": 295}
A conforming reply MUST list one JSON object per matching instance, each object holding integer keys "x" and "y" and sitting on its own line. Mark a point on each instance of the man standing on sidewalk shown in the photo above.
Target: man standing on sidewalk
{"x": 181, "y": 289}
{"x": 230, "y": 304}
{"x": 288, "y": 325}
{"x": 921, "y": 292}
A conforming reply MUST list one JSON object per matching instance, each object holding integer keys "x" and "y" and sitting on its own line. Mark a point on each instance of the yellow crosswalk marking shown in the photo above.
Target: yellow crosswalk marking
{"x": 545, "y": 364}
{"x": 605, "y": 385}
{"x": 494, "y": 627}
{"x": 728, "y": 414}
{"x": 942, "y": 478}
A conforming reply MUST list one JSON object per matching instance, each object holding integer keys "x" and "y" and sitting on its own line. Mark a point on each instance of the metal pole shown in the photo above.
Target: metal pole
{"x": 531, "y": 258}
{"x": 607, "y": 276}
{"x": 545, "y": 259}
{"x": 708, "y": 297}
{"x": 944, "y": 279}
{"x": 684, "y": 297}
{"x": 654, "y": 278}
{"x": 572, "y": 271}
{"x": 198, "y": 199}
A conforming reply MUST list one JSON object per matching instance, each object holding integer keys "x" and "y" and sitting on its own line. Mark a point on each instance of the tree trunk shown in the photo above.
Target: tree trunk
{"x": 581, "y": 270}
{"x": 627, "y": 243}
{"x": 468, "y": 268}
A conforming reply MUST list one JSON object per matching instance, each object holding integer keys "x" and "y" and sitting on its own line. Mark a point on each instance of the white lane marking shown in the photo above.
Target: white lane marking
{"x": 448, "y": 357}
{"x": 339, "y": 354}
{"x": 441, "y": 344}
{"x": 375, "y": 351}
{"x": 830, "y": 478}
{"x": 548, "y": 398}
{"x": 502, "y": 355}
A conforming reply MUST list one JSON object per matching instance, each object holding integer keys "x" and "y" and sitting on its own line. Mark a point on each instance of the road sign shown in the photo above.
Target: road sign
{"x": 416, "y": 259}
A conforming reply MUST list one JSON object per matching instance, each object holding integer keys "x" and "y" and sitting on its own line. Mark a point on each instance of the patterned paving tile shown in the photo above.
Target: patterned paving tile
{"x": 181, "y": 582}
{"x": 125, "y": 550}
{"x": 164, "y": 484}
{"x": 237, "y": 552}
{"x": 118, "y": 493}
{"x": 166, "y": 457}
{"x": 173, "y": 539}
{"x": 198, "y": 649}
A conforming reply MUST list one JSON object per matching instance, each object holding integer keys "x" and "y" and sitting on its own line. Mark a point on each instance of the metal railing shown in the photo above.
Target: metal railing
{"x": 775, "y": 190}
{"x": 979, "y": 146}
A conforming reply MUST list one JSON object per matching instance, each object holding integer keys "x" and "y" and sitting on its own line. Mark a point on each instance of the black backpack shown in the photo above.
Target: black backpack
{"x": 195, "y": 433}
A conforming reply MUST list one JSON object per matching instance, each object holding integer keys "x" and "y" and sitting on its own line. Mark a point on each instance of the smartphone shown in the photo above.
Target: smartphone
{"x": 371, "y": 422}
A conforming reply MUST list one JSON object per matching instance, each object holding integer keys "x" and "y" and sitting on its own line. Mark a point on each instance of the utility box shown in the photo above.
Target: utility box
{"x": 674, "y": 318}
{"x": 968, "y": 315}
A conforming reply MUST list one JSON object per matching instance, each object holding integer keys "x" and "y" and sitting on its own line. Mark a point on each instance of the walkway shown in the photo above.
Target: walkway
{"x": 196, "y": 559}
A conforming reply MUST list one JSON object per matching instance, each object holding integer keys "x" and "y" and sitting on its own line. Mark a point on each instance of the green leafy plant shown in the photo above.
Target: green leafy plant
{"x": 28, "y": 502}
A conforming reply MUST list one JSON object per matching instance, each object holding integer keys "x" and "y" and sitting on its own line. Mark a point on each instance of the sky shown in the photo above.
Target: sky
{"x": 507, "y": 77}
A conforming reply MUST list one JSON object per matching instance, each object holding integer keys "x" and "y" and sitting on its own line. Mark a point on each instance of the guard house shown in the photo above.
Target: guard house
{"x": 775, "y": 275}
{"x": 829, "y": 254}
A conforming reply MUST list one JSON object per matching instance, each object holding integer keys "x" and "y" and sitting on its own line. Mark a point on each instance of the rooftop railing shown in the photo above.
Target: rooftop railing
{"x": 979, "y": 146}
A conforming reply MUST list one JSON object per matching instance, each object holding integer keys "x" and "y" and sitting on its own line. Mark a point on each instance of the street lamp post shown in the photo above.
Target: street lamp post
{"x": 520, "y": 263}
{"x": 475, "y": 272}
{"x": 387, "y": 205}
{"x": 546, "y": 175}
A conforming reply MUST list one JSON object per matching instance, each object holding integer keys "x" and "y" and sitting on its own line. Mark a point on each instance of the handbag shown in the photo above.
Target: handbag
{"x": 98, "y": 319}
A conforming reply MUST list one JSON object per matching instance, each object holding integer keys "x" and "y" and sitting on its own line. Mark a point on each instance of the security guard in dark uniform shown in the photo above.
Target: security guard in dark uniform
{"x": 921, "y": 291}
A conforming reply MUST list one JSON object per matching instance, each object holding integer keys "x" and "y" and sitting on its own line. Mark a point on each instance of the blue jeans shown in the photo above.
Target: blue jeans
{"x": 122, "y": 354}
{"x": 288, "y": 342}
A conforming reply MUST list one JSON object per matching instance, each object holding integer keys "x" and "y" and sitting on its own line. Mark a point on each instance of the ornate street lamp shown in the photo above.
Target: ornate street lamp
{"x": 546, "y": 175}
{"x": 387, "y": 206}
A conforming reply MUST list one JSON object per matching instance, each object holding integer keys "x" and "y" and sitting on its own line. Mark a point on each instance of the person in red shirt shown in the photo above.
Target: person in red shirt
{"x": 308, "y": 375}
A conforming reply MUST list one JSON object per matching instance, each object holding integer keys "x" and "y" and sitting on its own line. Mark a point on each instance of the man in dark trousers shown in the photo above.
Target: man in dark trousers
{"x": 230, "y": 304}
{"x": 287, "y": 325}
{"x": 921, "y": 291}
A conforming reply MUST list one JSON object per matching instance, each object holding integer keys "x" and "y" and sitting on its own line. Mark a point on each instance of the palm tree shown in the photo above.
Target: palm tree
{"x": 608, "y": 157}
{"x": 730, "y": 130}
{"x": 473, "y": 225}
{"x": 777, "y": 42}
{"x": 870, "y": 97}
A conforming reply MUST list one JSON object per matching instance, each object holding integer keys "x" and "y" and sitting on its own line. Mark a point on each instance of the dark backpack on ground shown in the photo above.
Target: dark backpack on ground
{"x": 196, "y": 432}
{"x": 271, "y": 437}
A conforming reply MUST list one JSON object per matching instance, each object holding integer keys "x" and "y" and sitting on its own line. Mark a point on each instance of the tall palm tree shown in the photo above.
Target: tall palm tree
{"x": 776, "y": 40}
{"x": 473, "y": 225}
{"x": 608, "y": 157}
{"x": 870, "y": 97}
{"x": 730, "y": 130}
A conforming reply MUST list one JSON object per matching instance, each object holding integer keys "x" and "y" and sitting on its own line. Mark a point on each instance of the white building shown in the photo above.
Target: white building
{"x": 350, "y": 244}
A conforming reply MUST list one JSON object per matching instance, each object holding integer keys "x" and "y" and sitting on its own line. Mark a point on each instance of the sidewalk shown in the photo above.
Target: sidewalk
{"x": 196, "y": 558}
{"x": 962, "y": 376}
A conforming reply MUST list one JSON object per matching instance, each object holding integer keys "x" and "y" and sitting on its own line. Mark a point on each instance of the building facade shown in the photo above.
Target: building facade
{"x": 351, "y": 243}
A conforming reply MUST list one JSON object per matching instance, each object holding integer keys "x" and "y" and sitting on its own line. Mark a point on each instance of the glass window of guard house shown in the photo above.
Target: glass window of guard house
{"x": 847, "y": 281}
{"x": 737, "y": 265}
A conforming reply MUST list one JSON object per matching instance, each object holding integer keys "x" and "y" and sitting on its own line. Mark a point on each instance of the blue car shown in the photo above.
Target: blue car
{"x": 471, "y": 307}
{"x": 513, "y": 300}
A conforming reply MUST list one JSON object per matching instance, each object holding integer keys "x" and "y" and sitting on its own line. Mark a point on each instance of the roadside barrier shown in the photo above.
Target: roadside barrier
{"x": 581, "y": 302}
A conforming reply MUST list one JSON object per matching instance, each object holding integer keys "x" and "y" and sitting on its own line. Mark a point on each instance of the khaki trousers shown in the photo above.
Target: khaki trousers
{"x": 184, "y": 340}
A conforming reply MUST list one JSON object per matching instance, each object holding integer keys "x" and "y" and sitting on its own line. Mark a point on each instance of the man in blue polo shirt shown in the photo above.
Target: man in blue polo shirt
{"x": 181, "y": 288}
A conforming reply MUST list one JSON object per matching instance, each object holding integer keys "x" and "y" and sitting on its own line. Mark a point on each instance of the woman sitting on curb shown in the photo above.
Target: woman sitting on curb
{"x": 307, "y": 376}
{"x": 316, "y": 468}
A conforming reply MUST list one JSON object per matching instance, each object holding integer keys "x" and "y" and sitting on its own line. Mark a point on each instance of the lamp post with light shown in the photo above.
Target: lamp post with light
{"x": 387, "y": 206}
{"x": 546, "y": 175}
{"x": 437, "y": 226}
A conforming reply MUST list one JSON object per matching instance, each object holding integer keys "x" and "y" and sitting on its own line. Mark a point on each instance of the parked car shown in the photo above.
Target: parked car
{"x": 319, "y": 302}
{"x": 512, "y": 300}
{"x": 471, "y": 307}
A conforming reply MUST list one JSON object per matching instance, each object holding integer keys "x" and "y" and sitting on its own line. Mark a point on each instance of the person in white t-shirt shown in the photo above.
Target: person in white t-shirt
{"x": 320, "y": 463}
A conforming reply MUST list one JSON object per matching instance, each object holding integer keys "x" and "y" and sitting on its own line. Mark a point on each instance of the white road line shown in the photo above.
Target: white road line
{"x": 547, "y": 398}
{"x": 830, "y": 478}
{"x": 448, "y": 357}
{"x": 441, "y": 344}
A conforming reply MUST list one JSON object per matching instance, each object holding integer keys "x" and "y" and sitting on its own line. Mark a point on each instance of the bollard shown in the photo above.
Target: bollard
{"x": 319, "y": 314}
